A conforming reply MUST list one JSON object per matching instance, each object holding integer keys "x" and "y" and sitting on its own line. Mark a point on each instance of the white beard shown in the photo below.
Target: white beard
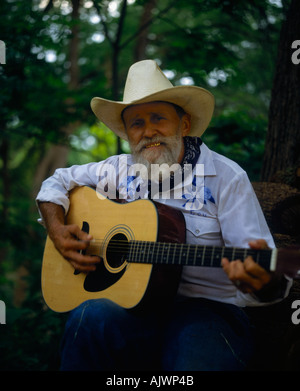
{"x": 158, "y": 163}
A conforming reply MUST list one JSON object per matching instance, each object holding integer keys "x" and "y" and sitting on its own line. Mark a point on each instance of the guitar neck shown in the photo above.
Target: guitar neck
{"x": 194, "y": 255}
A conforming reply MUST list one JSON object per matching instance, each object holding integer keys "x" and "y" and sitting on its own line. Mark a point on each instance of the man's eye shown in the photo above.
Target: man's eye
{"x": 137, "y": 123}
{"x": 157, "y": 118}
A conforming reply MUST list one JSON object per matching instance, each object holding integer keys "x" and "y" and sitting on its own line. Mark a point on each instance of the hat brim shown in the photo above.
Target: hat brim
{"x": 196, "y": 101}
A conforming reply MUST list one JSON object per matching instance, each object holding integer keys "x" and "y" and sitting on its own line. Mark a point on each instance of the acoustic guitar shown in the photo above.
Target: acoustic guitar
{"x": 142, "y": 246}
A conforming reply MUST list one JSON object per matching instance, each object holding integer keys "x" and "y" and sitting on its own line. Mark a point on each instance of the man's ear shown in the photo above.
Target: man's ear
{"x": 185, "y": 124}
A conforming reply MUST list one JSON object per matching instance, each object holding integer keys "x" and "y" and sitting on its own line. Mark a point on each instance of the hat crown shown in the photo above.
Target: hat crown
{"x": 144, "y": 78}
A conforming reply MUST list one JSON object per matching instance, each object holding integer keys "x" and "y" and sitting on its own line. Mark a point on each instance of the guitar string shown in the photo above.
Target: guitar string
{"x": 119, "y": 243}
{"x": 121, "y": 246}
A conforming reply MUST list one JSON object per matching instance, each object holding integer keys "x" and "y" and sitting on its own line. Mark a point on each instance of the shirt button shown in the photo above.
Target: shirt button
{"x": 197, "y": 231}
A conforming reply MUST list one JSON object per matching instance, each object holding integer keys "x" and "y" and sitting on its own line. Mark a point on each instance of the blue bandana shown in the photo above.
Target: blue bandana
{"x": 191, "y": 150}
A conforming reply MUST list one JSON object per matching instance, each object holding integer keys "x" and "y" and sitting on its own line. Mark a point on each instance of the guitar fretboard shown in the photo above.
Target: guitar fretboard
{"x": 192, "y": 255}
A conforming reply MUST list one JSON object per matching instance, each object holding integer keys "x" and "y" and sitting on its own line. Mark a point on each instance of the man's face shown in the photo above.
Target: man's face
{"x": 155, "y": 132}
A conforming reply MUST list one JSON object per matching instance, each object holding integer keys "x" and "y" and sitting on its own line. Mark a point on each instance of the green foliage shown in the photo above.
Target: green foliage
{"x": 92, "y": 143}
{"x": 31, "y": 337}
{"x": 30, "y": 341}
{"x": 228, "y": 47}
{"x": 240, "y": 138}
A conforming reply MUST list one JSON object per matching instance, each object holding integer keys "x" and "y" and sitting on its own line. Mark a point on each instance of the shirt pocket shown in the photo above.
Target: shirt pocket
{"x": 203, "y": 230}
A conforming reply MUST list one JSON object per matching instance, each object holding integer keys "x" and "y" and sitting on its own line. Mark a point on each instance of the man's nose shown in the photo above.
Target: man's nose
{"x": 150, "y": 130}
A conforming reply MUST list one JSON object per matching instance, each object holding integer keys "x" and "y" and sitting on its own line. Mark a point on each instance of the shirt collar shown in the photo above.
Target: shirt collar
{"x": 206, "y": 158}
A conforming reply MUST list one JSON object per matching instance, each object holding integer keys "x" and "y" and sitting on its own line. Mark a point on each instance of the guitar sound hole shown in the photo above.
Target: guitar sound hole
{"x": 117, "y": 250}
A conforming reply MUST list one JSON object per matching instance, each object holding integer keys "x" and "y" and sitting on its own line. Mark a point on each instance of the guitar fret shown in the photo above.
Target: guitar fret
{"x": 233, "y": 254}
{"x": 146, "y": 244}
{"x": 183, "y": 255}
{"x": 212, "y": 256}
{"x": 203, "y": 255}
{"x": 169, "y": 246}
{"x": 199, "y": 255}
{"x": 150, "y": 253}
{"x": 174, "y": 252}
{"x": 142, "y": 252}
{"x": 161, "y": 253}
{"x": 136, "y": 252}
{"x": 163, "y": 257}
{"x": 131, "y": 252}
{"x": 217, "y": 256}
{"x": 139, "y": 253}
{"x": 188, "y": 253}
{"x": 180, "y": 253}
{"x": 157, "y": 252}
{"x": 195, "y": 254}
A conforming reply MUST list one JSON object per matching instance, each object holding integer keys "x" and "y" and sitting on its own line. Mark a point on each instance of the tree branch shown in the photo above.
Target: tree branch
{"x": 146, "y": 24}
{"x": 103, "y": 22}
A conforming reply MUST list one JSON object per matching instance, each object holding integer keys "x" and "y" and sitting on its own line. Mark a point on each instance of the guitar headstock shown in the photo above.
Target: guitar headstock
{"x": 288, "y": 261}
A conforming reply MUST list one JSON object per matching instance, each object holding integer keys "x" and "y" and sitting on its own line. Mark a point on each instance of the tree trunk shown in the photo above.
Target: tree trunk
{"x": 282, "y": 149}
{"x": 142, "y": 39}
{"x": 56, "y": 156}
{"x": 115, "y": 62}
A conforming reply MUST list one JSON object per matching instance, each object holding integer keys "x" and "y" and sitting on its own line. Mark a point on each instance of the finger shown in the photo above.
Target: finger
{"x": 83, "y": 263}
{"x": 74, "y": 238}
{"x": 75, "y": 244}
{"x": 259, "y": 244}
{"x": 79, "y": 234}
{"x": 225, "y": 262}
{"x": 82, "y": 268}
{"x": 255, "y": 269}
{"x": 260, "y": 276}
{"x": 234, "y": 269}
{"x": 239, "y": 277}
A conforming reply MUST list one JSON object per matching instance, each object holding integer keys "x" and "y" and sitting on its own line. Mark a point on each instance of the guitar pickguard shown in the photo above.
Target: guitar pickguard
{"x": 101, "y": 279}
{"x": 108, "y": 272}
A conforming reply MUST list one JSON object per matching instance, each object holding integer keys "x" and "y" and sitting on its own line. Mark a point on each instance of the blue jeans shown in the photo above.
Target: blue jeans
{"x": 195, "y": 335}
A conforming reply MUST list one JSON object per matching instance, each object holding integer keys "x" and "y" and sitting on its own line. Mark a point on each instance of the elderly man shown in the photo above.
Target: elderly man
{"x": 205, "y": 328}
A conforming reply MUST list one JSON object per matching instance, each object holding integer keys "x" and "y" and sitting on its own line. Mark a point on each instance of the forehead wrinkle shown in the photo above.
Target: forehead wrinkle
{"x": 149, "y": 113}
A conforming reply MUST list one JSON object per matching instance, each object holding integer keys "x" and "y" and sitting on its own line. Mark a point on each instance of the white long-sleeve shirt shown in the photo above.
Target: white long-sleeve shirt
{"x": 220, "y": 210}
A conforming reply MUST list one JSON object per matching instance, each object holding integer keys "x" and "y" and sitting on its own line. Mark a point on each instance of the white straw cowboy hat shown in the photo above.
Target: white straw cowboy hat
{"x": 146, "y": 83}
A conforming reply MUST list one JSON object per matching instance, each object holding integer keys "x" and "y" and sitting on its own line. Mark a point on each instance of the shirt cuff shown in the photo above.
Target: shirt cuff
{"x": 55, "y": 197}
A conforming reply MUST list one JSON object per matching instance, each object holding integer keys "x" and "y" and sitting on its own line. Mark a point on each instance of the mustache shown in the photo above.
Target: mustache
{"x": 147, "y": 140}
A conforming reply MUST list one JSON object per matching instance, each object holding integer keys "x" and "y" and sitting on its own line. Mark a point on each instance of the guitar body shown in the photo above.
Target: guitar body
{"x": 131, "y": 285}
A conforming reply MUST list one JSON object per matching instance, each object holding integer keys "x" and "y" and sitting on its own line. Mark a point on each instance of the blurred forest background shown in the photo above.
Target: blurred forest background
{"x": 61, "y": 53}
